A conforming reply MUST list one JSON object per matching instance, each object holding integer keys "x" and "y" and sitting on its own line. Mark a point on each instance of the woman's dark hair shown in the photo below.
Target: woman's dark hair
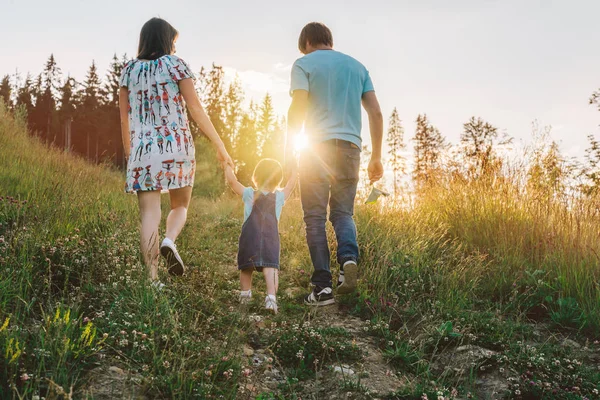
{"x": 268, "y": 174}
{"x": 157, "y": 38}
{"x": 315, "y": 33}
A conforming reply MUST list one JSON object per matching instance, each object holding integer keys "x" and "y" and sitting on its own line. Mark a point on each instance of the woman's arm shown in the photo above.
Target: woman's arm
{"x": 124, "y": 112}
{"x": 186, "y": 86}
{"x": 235, "y": 185}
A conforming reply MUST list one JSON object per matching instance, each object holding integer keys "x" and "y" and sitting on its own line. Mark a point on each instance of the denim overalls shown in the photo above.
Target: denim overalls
{"x": 259, "y": 241}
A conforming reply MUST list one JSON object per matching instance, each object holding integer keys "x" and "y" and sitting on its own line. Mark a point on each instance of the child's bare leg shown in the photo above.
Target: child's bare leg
{"x": 246, "y": 279}
{"x": 272, "y": 280}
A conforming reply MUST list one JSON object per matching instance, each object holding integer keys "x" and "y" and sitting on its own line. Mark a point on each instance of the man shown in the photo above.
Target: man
{"x": 327, "y": 89}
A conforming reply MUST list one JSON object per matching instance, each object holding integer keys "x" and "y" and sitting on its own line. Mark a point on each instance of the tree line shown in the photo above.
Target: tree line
{"x": 83, "y": 117}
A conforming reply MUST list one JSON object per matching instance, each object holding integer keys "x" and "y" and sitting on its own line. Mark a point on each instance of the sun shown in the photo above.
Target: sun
{"x": 300, "y": 142}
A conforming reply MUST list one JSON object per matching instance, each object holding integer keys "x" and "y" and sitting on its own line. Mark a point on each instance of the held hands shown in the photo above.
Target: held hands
{"x": 375, "y": 170}
{"x": 290, "y": 167}
{"x": 224, "y": 157}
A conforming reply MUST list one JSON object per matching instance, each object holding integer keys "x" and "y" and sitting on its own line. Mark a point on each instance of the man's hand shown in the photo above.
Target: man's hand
{"x": 375, "y": 170}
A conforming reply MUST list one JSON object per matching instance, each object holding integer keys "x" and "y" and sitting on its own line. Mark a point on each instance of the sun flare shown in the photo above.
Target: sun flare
{"x": 300, "y": 142}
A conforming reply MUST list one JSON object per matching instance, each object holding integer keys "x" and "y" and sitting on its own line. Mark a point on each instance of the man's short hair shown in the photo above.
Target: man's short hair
{"x": 316, "y": 34}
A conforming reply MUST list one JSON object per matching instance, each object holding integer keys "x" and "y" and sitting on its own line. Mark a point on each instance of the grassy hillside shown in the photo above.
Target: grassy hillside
{"x": 474, "y": 291}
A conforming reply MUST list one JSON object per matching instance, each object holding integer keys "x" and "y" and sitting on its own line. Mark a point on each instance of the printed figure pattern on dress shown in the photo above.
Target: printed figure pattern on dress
{"x": 162, "y": 148}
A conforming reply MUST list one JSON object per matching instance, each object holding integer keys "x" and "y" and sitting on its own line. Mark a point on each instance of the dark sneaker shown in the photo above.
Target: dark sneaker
{"x": 319, "y": 297}
{"x": 174, "y": 263}
{"x": 348, "y": 276}
{"x": 341, "y": 278}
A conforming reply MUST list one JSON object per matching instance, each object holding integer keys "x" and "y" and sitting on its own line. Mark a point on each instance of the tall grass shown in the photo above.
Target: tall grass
{"x": 487, "y": 258}
{"x": 492, "y": 235}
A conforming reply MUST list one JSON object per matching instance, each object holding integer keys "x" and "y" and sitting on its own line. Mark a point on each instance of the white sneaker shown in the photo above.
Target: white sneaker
{"x": 348, "y": 276}
{"x": 245, "y": 296}
{"x": 174, "y": 262}
{"x": 158, "y": 285}
{"x": 271, "y": 303}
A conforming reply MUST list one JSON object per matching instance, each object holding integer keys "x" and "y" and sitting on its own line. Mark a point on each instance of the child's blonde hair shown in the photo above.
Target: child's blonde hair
{"x": 268, "y": 174}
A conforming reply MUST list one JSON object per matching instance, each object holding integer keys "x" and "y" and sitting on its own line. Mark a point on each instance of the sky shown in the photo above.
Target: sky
{"x": 510, "y": 62}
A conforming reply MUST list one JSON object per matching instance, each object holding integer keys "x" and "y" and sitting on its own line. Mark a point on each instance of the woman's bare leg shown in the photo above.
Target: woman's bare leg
{"x": 149, "y": 203}
{"x": 180, "y": 200}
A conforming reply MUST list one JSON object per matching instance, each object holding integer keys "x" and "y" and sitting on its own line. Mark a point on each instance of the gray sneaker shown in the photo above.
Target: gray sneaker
{"x": 348, "y": 277}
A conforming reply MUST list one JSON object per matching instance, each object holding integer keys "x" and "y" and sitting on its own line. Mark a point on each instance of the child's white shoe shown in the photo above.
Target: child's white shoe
{"x": 245, "y": 296}
{"x": 271, "y": 303}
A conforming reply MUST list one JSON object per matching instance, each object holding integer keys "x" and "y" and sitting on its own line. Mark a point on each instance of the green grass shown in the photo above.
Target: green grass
{"x": 467, "y": 264}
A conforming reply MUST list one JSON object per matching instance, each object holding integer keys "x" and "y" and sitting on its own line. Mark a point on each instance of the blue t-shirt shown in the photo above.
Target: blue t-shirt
{"x": 248, "y": 199}
{"x": 335, "y": 83}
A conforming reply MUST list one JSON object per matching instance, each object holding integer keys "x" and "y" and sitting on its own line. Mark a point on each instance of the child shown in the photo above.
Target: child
{"x": 259, "y": 240}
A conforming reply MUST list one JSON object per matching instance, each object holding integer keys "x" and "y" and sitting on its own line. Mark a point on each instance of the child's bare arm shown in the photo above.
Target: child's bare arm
{"x": 291, "y": 183}
{"x": 235, "y": 185}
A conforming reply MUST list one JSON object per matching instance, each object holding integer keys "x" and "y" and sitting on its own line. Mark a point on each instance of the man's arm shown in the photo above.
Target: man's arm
{"x": 295, "y": 120}
{"x": 371, "y": 105}
{"x": 291, "y": 183}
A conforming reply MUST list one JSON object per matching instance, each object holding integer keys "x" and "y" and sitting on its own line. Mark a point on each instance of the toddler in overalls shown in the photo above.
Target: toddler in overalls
{"x": 259, "y": 241}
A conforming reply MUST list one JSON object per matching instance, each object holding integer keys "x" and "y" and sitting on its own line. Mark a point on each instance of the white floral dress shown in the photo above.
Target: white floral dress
{"x": 162, "y": 148}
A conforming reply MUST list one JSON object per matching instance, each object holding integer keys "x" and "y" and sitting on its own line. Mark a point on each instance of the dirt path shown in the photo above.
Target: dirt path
{"x": 369, "y": 377}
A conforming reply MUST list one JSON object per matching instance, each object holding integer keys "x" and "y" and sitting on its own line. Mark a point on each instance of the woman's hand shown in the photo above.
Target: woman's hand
{"x": 224, "y": 157}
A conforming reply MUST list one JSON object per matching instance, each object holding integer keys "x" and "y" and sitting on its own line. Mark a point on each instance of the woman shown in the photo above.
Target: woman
{"x": 155, "y": 88}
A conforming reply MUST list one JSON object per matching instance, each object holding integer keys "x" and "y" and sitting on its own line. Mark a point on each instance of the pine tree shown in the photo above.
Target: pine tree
{"x": 111, "y": 146}
{"x": 429, "y": 145}
{"x": 45, "y": 104}
{"x": 51, "y": 76}
{"x": 66, "y": 110}
{"x": 396, "y": 146}
{"x": 90, "y": 96}
{"x": 213, "y": 90}
{"x": 6, "y": 91}
{"x": 248, "y": 154}
{"x": 24, "y": 98}
{"x": 233, "y": 114}
{"x": 266, "y": 128}
{"x": 89, "y": 119}
{"x": 111, "y": 87}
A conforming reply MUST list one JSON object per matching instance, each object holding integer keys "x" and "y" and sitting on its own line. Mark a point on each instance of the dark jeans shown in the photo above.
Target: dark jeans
{"x": 329, "y": 175}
